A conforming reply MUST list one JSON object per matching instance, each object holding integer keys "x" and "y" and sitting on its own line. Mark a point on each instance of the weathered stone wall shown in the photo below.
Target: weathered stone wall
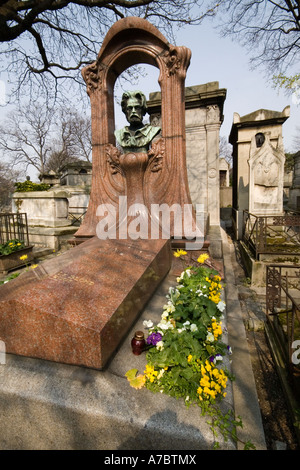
{"x": 203, "y": 119}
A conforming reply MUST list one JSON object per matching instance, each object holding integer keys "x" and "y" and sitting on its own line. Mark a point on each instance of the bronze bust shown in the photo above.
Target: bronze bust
{"x": 136, "y": 137}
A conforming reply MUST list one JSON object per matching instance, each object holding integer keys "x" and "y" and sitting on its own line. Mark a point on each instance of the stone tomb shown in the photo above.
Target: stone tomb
{"x": 258, "y": 164}
{"x": 77, "y": 308}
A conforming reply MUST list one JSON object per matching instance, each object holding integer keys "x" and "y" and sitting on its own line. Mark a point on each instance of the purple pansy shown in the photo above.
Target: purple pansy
{"x": 154, "y": 338}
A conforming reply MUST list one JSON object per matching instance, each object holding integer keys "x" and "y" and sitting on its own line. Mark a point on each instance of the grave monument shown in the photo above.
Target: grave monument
{"x": 258, "y": 164}
{"x": 78, "y": 307}
{"x": 131, "y": 41}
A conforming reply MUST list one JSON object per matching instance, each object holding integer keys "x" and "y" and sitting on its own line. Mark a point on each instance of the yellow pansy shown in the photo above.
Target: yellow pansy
{"x": 179, "y": 253}
{"x": 202, "y": 258}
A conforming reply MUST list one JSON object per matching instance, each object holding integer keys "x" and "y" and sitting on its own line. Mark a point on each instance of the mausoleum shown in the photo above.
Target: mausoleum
{"x": 258, "y": 164}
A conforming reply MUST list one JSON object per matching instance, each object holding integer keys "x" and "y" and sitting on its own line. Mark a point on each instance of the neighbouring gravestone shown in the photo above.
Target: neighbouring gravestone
{"x": 47, "y": 212}
{"x": 266, "y": 167}
{"x": 258, "y": 164}
{"x": 78, "y": 307}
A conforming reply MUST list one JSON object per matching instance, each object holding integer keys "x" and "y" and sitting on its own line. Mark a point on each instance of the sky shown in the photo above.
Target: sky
{"x": 224, "y": 61}
{"x": 215, "y": 59}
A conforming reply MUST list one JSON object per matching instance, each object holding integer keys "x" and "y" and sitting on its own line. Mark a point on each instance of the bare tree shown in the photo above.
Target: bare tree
{"x": 46, "y": 42}
{"x": 8, "y": 177}
{"x": 76, "y": 135}
{"x": 225, "y": 150}
{"x": 269, "y": 29}
{"x": 73, "y": 140}
{"x": 296, "y": 140}
{"x": 57, "y": 160}
{"x": 45, "y": 139}
{"x": 24, "y": 137}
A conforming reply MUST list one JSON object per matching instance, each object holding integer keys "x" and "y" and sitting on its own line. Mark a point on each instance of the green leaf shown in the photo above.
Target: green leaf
{"x": 135, "y": 382}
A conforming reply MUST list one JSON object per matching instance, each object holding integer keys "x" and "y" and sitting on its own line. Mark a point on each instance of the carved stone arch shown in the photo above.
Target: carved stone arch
{"x": 132, "y": 41}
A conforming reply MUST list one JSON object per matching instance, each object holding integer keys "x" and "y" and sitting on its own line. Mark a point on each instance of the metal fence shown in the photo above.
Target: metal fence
{"x": 14, "y": 226}
{"x": 283, "y": 313}
{"x": 272, "y": 234}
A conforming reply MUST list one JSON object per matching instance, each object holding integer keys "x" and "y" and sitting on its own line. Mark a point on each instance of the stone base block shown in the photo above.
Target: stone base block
{"x": 50, "y": 236}
{"x": 257, "y": 270}
{"x": 77, "y": 308}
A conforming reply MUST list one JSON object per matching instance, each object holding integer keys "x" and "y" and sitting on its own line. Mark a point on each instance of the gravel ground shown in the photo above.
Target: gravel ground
{"x": 277, "y": 421}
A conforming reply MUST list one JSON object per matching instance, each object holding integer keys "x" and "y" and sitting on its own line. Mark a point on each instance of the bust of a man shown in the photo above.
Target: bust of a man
{"x": 136, "y": 137}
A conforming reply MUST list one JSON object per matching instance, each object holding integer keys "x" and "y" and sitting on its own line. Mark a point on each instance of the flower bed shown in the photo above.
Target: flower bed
{"x": 185, "y": 352}
{"x": 13, "y": 255}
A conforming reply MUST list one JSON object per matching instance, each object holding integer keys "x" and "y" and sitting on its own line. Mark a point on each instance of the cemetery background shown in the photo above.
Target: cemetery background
{"x": 58, "y": 195}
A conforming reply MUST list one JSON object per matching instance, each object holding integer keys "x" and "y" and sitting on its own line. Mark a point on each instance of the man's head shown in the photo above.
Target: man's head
{"x": 134, "y": 106}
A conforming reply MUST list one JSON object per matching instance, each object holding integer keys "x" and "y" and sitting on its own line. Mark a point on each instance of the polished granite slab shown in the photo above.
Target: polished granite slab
{"x": 77, "y": 308}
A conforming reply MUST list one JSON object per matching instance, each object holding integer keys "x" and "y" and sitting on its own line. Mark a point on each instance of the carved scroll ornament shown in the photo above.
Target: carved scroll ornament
{"x": 177, "y": 59}
{"x": 92, "y": 76}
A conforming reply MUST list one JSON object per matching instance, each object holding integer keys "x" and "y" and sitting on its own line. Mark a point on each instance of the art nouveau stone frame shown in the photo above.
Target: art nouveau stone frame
{"x": 131, "y": 41}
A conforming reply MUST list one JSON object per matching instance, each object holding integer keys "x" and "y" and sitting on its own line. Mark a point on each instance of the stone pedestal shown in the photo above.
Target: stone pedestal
{"x": 43, "y": 208}
{"x": 47, "y": 212}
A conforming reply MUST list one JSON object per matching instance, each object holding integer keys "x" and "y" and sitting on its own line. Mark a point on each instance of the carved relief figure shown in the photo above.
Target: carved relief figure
{"x": 266, "y": 171}
{"x": 136, "y": 137}
{"x": 266, "y": 175}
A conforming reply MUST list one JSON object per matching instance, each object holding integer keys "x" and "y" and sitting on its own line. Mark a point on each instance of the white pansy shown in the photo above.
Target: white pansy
{"x": 186, "y": 323}
{"x": 221, "y": 306}
{"x": 169, "y": 307}
{"x": 160, "y": 345}
{"x": 165, "y": 325}
{"x": 148, "y": 323}
{"x": 218, "y": 358}
{"x": 164, "y": 315}
{"x": 210, "y": 337}
{"x": 194, "y": 327}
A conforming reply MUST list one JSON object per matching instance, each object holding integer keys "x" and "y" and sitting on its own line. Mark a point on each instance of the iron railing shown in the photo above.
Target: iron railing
{"x": 14, "y": 226}
{"x": 272, "y": 234}
{"x": 283, "y": 313}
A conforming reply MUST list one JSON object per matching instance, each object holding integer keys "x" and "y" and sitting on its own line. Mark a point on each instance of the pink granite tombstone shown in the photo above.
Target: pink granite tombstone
{"x": 78, "y": 307}
{"x": 131, "y": 41}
